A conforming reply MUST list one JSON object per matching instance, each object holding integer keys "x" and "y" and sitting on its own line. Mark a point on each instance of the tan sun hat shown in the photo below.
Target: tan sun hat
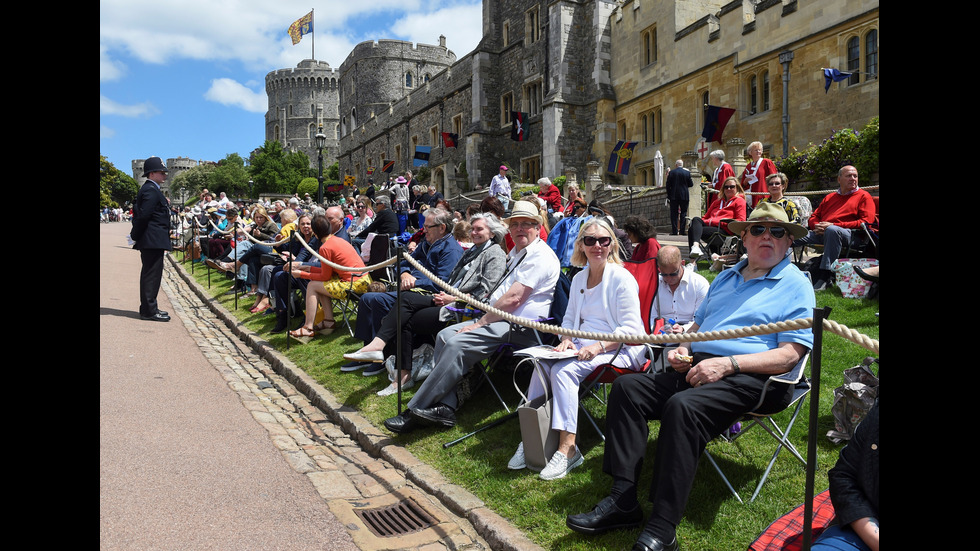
{"x": 769, "y": 212}
{"x": 524, "y": 209}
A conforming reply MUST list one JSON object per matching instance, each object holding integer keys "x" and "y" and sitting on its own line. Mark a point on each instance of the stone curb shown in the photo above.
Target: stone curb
{"x": 495, "y": 529}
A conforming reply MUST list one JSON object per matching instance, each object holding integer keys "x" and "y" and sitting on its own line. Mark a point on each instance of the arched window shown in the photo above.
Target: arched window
{"x": 753, "y": 94}
{"x": 408, "y": 80}
{"x": 765, "y": 90}
{"x": 854, "y": 60}
{"x": 871, "y": 54}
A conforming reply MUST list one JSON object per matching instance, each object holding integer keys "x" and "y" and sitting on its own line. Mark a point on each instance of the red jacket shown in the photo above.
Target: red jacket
{"x": 766, "y": 167}
{"x": 734, "y": 209}
{"x": 553, "y": 197}
{"x": 845, "y": 211}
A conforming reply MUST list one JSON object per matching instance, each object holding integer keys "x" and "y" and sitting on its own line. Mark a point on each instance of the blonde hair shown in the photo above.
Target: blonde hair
{"x": 287, "y": 216}
{"x": 578, "y": 255}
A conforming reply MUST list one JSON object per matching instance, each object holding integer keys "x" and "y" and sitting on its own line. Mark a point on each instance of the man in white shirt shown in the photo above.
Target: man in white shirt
{"x": 525, "y": 291}
{"x": 680, "y": 291}
{"x": 500, "y": 187}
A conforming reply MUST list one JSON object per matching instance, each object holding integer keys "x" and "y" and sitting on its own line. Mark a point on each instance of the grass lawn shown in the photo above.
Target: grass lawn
{"x": 714, "y": 519}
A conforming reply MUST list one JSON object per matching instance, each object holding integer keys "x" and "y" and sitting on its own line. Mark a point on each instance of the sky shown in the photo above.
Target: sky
{"x": 184, "y": 78}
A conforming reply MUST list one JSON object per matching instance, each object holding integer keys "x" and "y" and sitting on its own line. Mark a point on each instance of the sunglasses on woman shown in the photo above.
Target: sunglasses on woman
{"x": 589, "y": 241}
{"x": 778, "y": 232}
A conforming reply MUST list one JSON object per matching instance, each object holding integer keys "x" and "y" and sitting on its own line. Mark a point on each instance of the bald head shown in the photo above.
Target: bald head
{"x": 335, "y": 215}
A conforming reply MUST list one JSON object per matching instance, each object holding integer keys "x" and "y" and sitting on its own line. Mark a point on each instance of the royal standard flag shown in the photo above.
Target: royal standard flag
{"x": 303, "y": 25}
{"x": 619, "y": 161}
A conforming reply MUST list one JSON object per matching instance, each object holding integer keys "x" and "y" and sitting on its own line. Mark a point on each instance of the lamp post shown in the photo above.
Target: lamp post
{"x": 321, "y": 140}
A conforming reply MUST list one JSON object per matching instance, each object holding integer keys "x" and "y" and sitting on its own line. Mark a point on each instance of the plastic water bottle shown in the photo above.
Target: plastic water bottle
{"x": 668, "y": 327}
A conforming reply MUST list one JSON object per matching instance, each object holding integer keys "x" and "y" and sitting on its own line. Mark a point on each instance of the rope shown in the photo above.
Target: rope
{"x": 769, "y": 328}
{"x": 371, "y": 268}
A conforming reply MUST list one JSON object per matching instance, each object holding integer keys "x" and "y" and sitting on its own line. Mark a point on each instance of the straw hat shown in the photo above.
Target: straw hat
{"x": 769, "y": 212}
{"x": 524, "y": 209}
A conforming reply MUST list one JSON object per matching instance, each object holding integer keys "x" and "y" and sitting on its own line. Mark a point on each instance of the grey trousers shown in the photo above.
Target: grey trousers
{"x": 456, "y": 352}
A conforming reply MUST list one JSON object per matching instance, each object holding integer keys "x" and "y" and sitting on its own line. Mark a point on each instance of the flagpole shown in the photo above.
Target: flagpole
{"x": 313, "y": 37}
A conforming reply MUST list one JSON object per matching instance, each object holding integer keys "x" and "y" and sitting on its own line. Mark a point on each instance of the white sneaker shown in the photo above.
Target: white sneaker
{"x": 560, "y": 464}
{"x": 517, "y": 462}
{"x": 392, "y": 388}
{"x": 696, "y": 250}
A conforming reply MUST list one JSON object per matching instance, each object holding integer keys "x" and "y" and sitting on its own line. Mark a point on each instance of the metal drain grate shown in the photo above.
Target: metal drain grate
{"x": 404, "y": 517}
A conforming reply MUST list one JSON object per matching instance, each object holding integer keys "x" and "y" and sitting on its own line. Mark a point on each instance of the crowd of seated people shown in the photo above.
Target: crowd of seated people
{"x": 511, "y": 263}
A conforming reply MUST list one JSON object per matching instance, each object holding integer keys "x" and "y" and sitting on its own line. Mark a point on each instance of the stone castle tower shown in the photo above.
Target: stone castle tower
{"x": 375, "y": 75}
{"x": 300, "y": 100}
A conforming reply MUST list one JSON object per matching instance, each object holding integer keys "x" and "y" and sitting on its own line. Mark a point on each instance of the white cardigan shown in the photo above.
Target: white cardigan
{"x": 620, "y": 300}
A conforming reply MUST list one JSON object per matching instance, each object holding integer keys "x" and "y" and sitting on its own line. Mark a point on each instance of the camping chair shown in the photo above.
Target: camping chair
{"x": 646, "y": 273}
{"x": 506, "y": 350}
{"x": 800, "y": 388}
{"x": 728, "y": 246}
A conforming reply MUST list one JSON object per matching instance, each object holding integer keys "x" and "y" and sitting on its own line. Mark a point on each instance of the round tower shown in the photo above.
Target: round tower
{"x": 300, "y": 99}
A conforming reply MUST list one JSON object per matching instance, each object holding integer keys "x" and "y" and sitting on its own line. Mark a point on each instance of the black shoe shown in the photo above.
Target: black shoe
{"x": 373, "y": 369}
{"x": 646, "y": 542}
{"x": 163, "y": 313}
{"x": 400, "y": 424}
{"x": 604, "y": 517}
{"x": 281, "y": 323}
{"x": 436, "y": 415}
{"x": 354, "y": 366}
{"x": 159, "y": 316}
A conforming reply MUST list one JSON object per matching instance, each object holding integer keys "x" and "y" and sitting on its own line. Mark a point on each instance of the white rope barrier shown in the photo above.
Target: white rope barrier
{"x": 371, "y": 268}
{"x": 794, "y": 193}
{"x": 777, "y": 327}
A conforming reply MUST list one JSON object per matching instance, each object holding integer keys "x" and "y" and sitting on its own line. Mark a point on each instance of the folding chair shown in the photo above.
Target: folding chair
{"x": 506, "y": 350}
{"x": 381, "y": 249}
{"x": 801, "y": 387}
{"x": 647, "y": 277}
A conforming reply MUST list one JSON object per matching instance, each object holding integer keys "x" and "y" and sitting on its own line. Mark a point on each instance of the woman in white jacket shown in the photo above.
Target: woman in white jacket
{"x": 604, "y": 298}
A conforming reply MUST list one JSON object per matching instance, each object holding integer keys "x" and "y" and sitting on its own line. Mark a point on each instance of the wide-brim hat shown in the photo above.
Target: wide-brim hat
{"x": 772, "y": 213}
{"x": 524, "y": 209}
{"x": 401, "y": 180}
{"x": 153, "y": 164}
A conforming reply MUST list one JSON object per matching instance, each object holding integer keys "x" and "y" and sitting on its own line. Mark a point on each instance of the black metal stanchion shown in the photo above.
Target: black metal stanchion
{"x": 234, "y": 272}
{"x": 398, "y": 323}
{"x": 811, "y": 445}
{"x": 289, "y": 288}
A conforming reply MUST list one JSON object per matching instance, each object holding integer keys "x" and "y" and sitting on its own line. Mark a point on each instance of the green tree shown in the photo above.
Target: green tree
{"x": 332, "y": 172}
{"x": 193, "y": 180}
{"x": 275, "y": 171}
{"x": 308, "y": 185}
{"x": 231, "y": 177}
{"x": 115, "y": 187}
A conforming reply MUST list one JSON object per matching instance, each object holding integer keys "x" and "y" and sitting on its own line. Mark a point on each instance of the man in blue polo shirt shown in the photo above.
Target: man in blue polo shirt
{"x": 702, "y": 396}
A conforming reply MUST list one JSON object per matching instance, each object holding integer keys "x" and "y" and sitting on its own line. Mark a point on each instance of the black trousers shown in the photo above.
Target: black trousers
{"x": 150, "y": 277}
{"x": 690, "y": 417}
{"x": 678, "y": 215}
{"x": 420, "y": 322}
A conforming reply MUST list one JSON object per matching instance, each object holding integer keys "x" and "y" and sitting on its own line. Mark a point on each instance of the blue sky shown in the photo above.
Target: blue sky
{"x": 184, "y": 78}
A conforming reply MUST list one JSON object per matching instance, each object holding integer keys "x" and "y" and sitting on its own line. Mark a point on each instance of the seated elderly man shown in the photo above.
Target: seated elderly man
{"x": 702, "y": 396}
{"x": 831, "y": 223}
{"x": 525, "y": 291}
{"x": 439, "y": 254}
{"x": 679, "y": 292}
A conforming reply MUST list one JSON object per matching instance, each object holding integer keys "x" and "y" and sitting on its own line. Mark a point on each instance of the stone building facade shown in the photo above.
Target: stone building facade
{"x": 591, "y": 72}
{"x": 300, "y": 100}
{"x": 175, "y": 165}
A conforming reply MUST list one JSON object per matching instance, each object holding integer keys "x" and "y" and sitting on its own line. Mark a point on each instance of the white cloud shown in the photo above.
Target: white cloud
{"x": 461, "y": 24}
{"x": 229, "y": 92}
{"x": 106, "y": 132}
{"x": 139, "y": 110}
{"x": 109, "y": 69}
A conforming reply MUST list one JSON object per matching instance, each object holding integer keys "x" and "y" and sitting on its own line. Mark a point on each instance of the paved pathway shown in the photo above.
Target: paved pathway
{"x": 204, "y": 445}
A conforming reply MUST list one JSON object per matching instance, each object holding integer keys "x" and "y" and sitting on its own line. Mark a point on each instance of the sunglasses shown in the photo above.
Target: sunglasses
{"x": 777, "y": 232}
{"x": 589, "y": 241}
{"x": 729, "y": 187}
